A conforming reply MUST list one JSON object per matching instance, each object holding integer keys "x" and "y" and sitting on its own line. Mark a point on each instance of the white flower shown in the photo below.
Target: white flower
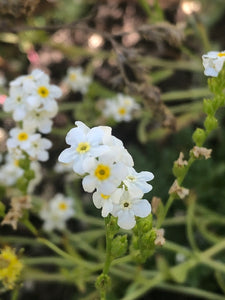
{"x": 40, "y": 120}
{"x": 62, "y": 205}
{"x": 43, "y": 95}
{"x": 28, "y": 82}
{"x": 10, "y": 172}
{"x": 16, "y": 103}
{"x": 85, "y": 143}
{"x": 213, "y": 62}
{"x": 57, "y": 212}
{"x": 116, "y": 146}
{"x": 128, "y": 208}
{"x": 106, "y": 201}
{"x": 77, "y": 81}
{"x": 121, "y": 108}
{"x": 137, "y": 182}
{"x": 37, "y": 147}
{"x": 19, "y": 137}
{"x": 103, "y": 174}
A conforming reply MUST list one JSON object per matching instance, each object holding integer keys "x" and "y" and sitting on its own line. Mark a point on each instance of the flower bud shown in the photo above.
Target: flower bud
{"x": 24, "y": 163}
{"x": 208, "y": 107}
{"x": 103, "y": 282}
{"x": 210, "y": 123}
{"x": 199, "y": 136}
{"x": 29, "y": 174}
{"x": 119, "y": 245}
{"x": 22, "y": 184}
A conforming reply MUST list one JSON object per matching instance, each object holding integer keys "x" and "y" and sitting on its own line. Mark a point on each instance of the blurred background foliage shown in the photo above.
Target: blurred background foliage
{"x": 148, "y": 49}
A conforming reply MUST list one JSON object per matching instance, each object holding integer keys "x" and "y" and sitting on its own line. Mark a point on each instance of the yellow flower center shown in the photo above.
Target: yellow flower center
{"x": 105, "y": 197}
{"x": 72, "y": 76}
{"x": 102, "y": 172}
{"x": 10, "y": 267}
{"x": 221, "y": 54}
{"x": 43, "y": 91}
{"x": 83, "y": 147}
{"x": 22, "y": 136}
{"x": 16, "y": 162}
{"x": 62, "y": 206}
{"x": 122, "y": 111}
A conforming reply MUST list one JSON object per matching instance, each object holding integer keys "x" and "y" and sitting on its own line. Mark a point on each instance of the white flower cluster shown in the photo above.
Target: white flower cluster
{"x": 107, "y": 170}
{"x": 77, "y": 81}
{"x": 56, "y": 212}
{"x": 120, "y": 108}
{"x": 11, "y": 171}
{"x": 213, "y": 62}
{"x": 32, "y": 103}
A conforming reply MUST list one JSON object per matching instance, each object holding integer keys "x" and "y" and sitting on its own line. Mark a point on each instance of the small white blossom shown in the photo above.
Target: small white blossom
{"x": 106, "y": 202}
{"x": 213, "y": 62}
{"x": 19, "y": 138}
{"x": 77, "y": 81}
{"x": 129, "y": 207}
{"x": 16, "y": 103}
{"x": 10, "y": 171}
{"x": 137, "y": 182}
{"x": 40, "y": 120}
{"x": 85, "y": 143}
{"x": 103, "y": 174}
{"x": 43, "y": 96}
{"x": 28, "y": 82}
{"x": 57, "y": 212}
{"x": 121, "y": 108}
{"x": 37, "y": 147}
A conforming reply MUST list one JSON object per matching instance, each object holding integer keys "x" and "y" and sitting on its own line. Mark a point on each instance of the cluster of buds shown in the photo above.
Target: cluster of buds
{"x": 107, "y": 170}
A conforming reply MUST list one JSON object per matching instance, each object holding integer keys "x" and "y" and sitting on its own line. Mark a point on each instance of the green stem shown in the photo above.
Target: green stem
{"x": 192, "y": 93}
{"x": 46, "y": 260}
{"x": 177, "y": 248}
{"x": 190, "y": 291}
{"x": 15, "y": 294}
{"x": 108, "y": 258}
{"x": 37, "y": 275}
{"x": 75, "y": 260}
